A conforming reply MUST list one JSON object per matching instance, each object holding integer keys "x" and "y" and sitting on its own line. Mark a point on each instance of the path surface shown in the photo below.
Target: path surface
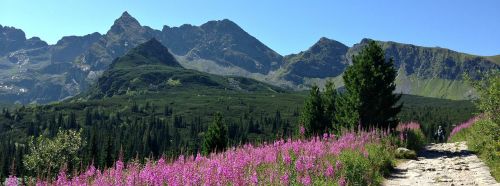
{"x": 443, "y": 164}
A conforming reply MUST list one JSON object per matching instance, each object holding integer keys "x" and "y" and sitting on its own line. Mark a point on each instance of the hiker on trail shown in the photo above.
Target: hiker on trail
{"x": 440, "y": 134}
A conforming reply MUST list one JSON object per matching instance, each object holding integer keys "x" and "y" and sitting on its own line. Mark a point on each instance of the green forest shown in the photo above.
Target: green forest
{"x": 166, "y": 125}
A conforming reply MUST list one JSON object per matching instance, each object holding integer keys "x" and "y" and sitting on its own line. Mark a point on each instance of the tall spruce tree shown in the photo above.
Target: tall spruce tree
{"x": 329, "y": 101}
{"x": 216, "y": 136}
{"x": 369, "y": 99}
{"x": 312, "y": 117}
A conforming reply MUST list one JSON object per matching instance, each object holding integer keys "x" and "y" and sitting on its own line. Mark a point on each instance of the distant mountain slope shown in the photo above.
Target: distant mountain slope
{"x": 425, "y": 71}
{"x": 223, "y": 42}
{"x": 151, "y": 68}
{"x": 32, "y": 71}
{"x": 431, "y": 62}
{"x": 326, "y": 58}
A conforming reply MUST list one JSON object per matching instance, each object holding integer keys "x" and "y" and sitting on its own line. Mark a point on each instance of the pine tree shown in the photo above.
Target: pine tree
{"x": 312, "y": 117}
{"x": 369, "y": 99}
{"x": 216, "y": 136}
{"x": 329, "y": 101}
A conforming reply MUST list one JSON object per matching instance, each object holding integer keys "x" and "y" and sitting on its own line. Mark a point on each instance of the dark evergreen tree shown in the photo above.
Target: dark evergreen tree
{"x": 216, "y": 136}
{"x": 330, "y": 104}
{"x": 369, "y": 98}
{"x": 312, "y": 117}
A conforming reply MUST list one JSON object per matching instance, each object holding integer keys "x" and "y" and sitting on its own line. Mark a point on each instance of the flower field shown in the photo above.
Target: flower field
{"x": 353, "y": 158}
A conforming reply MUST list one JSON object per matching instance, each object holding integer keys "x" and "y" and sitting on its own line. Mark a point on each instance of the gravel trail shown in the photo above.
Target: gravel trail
{"x": 442, "y": 164}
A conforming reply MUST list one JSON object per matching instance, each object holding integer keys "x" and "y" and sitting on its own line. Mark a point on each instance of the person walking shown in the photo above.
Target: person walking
{"x": 440, "y": 134}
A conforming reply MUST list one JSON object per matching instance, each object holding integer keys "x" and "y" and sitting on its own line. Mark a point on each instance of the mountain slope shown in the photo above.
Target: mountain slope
{"x": 431, "y": 62}
{"x": 32, "y": 71}
{"x": 326, "y": 58}
{"x": 151, "y": 68}
{"x": 223, "y": 42}
{"x": 425, "y": 71}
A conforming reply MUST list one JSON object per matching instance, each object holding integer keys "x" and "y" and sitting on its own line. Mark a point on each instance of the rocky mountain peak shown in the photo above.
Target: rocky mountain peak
{"x": 125, "y": 23}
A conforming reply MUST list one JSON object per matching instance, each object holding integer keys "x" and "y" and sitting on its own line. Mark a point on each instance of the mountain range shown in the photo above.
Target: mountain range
{"x": 31, "y": 71}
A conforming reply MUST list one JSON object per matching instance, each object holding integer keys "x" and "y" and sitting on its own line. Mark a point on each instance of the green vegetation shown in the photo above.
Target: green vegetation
{"x": 46, "y": 156}
{"x": 489, "y": 94}
{"x": 330, "y": 100}
{"x": 367, "y": 168}
{"x": 312, "y": 116}
{"x": 173, "y": 122}
{"x": 435, "y": 87}
{"x": 483, "y": 136}
{"x": 415, "y": 140}
{"x": 369, "y": 84}
{"x": 215, "y": 139}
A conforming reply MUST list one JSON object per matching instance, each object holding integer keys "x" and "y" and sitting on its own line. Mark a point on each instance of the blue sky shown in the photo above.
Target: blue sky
{"x": 287, "y": 26}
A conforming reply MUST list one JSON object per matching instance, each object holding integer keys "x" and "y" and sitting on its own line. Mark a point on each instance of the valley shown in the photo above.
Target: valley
{"x": 210, "y": 104}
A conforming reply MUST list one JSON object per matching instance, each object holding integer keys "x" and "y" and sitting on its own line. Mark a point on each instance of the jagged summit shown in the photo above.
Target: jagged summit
{"x": 221, "y": 25}
{"x": 126, "y": 17}
{"x": 125, "y": 23}
{"x": 327, "y": 44}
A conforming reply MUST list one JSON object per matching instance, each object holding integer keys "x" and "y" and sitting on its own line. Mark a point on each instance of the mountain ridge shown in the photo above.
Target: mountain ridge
{"x": 34, "y": 72}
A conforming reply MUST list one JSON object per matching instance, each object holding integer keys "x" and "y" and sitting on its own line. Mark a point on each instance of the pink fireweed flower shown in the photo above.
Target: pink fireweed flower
{"x": 237, "y": 166}
{"x": 11, "y": 181}
{"x": 286, "y": 158}
{"x": 408, "y": 126}
{"x": 299, "y": 166}
{"x": 254, "y": 179}
{"x": 306, "y": 180}
{"x": 464, "y": 125}
{"x": 284, "y": 179}
{"x": 90, "y": 171}
{"x": 325, "y": 136}
{"x": 330, "y": 172}
{"x": 302, "y": 130}
{"x": 338, "y": 165}
{"x": 342, "y": 181}
{"x": 61, "y": 178}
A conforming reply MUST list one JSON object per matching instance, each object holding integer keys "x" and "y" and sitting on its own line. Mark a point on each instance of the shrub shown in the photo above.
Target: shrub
{"x": 49, "y": 155}
{"x": 355, "y": 167}
{"x": 411, "y": 136}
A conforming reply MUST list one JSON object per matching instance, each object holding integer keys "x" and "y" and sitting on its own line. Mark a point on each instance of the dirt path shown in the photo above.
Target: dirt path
{"x": 443, "y": 164}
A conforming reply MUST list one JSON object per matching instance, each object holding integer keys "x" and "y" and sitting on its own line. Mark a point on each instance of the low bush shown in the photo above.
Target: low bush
{"x": 411, "y": 136}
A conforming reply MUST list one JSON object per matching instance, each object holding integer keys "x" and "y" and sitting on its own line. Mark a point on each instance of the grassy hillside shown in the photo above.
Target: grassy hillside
{"x": 495, "y": 59}
{"x": 434, "y": 87}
